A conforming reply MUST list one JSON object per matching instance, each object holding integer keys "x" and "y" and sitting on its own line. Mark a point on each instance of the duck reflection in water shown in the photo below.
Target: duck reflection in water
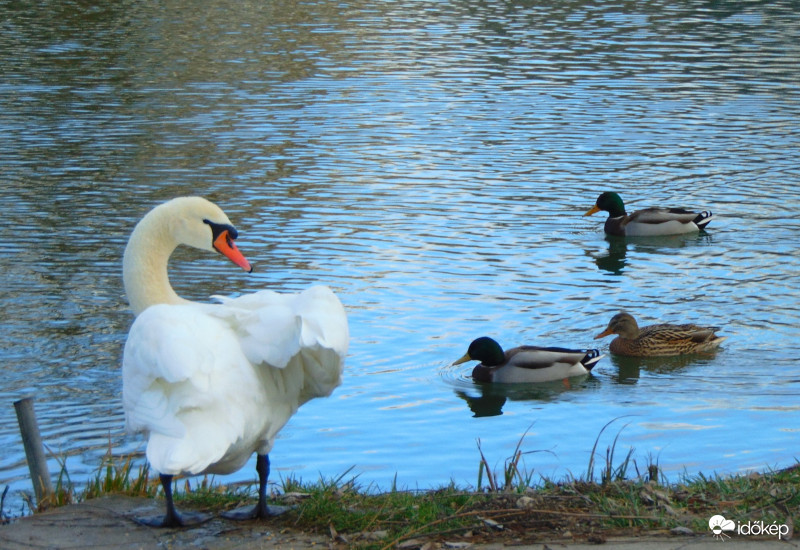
{"x": 614, "y": 260}
{"x": 488, "y": 399}
{"x": 629, "y": 369}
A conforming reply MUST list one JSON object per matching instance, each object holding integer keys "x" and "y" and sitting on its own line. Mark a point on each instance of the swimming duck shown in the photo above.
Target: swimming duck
{"x": 658, "y": 340}
{"x": 212, "y": 383}
{"x": 526, "y": 363}
{"x": 648, "y": 222}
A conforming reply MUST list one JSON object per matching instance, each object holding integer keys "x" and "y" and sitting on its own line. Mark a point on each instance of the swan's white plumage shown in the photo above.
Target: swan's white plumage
{"x": 213, "y": 383}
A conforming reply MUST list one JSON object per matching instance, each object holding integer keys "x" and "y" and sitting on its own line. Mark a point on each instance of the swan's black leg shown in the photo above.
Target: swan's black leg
{"x": 260, "y": 510}
{"x": 262, "y": 467}
{"x": 172, "y": 518}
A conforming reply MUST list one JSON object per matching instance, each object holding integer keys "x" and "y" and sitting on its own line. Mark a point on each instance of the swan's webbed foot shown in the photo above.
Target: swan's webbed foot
{"x": 260, "y": 510}
{"x": 254, "y": 512}
{"x": 172, "y": 518}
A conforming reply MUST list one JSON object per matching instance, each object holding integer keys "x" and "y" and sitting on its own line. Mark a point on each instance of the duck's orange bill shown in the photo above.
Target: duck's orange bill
{"x": 604, "y": 333}
{"x": 592, "y": 210}
{"x": 462, "y": 360}
{"x": 225, "y": 246}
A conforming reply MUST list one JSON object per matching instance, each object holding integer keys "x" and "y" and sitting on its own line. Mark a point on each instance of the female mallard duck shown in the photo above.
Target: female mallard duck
{"x": 658, "y": 340}
{"x": 526, "y": 363}
{"x": 649, "y": 222}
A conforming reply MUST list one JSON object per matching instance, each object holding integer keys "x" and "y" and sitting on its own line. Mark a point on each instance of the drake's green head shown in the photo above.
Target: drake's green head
{"x": 485, "y": 350}
{"x": 611, "y": 203}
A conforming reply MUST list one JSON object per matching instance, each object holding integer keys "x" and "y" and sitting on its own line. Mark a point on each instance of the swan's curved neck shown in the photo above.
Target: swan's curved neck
{"x": 144, "y": 266}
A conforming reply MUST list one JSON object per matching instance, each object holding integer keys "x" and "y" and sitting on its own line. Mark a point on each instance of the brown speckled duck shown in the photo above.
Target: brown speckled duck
{"x": 658, "y": 340}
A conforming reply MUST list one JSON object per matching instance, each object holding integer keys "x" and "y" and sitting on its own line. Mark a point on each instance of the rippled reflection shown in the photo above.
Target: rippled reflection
{"x": 489, "y": 399}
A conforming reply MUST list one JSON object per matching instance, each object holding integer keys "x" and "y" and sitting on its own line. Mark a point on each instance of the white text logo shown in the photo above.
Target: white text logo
{"x": 719, "y": 525}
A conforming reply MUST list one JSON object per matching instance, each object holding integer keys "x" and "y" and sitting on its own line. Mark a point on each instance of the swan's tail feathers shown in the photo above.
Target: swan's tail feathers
{"x": 149, "y": 410}
{"x": 703, "y": 219}
{"x": 591, "y": 358}
{"x": 322, "y": 371}
{"x": 196, "y": 453}
{"x": 324, "y": 319}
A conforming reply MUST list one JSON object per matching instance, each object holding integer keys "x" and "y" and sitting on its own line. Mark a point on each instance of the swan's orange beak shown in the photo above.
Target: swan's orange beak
{"x": 224, "y": 245}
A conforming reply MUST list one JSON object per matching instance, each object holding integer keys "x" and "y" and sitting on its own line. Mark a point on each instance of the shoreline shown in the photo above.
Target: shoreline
{"x": 106, "y": 523}
{"x": 577, "y": 514}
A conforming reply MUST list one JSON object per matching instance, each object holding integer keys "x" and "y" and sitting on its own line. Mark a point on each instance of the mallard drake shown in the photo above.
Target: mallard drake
{"x": 526, "y": 363}
{"x": 648, "y": 222}
{"x": 658, "y": 340}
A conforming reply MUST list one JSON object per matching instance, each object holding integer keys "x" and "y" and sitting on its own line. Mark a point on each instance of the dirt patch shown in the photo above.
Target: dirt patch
{"x": 107, "y": 523}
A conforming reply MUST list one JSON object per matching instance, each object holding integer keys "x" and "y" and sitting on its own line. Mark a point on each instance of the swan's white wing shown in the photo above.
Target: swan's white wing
{"x": 275, "y": 327}
{"x": 306, "y": 333}
{"x": 187, "y": 383}
{"x": 266, "y": 324}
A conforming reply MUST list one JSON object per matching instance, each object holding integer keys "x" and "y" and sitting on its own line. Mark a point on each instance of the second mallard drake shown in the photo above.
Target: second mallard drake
{"x": 526, "y": 363}
{"x": 658, "y": 340}
{"x": 648, "y": 222}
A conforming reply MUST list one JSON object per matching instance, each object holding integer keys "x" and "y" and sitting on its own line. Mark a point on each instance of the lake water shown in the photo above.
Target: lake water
{"x": 431, "y": 162}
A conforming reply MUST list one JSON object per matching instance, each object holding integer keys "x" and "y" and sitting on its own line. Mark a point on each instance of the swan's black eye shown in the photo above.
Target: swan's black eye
{"x": 218, "y": 228}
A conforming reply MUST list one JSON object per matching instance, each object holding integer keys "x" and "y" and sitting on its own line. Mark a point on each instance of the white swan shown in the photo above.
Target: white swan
{"x": 213, "y": 383}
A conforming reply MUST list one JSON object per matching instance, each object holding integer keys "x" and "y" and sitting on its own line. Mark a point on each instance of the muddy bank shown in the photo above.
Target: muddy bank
{"x": 107, "y": 523}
